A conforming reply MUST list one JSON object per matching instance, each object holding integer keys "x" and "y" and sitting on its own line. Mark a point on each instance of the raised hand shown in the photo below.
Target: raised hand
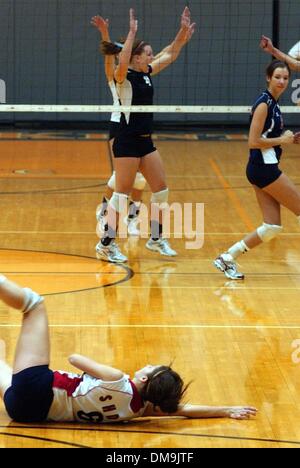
{"x": 266, "y": 44}
{"x": 186, "y": 18}
{"x": 101, "y": 24}
{"x": 186, "y": 24}
{"x": 190, "y": 32}
{"x": 297, "y": 138}
{"x": 133, "y": 23}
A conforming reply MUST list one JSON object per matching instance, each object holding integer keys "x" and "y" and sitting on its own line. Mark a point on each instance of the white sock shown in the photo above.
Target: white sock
{"x": 32, "y": 299}
{"x": 2, "y": 279}
{"x": 238, "y": 249}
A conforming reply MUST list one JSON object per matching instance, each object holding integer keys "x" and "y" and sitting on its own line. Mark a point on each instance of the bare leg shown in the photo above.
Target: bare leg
{"x": 33, "y": 348}
{"x": 286, "y": 193}
{"x": 136, "y": 195}
{"x": 126, "y": 169}
{"x": 153, "y": 170}
{"x": 5, "y": 377}
{"x": 270, "y": 209}
{"x": 108, "y": 192}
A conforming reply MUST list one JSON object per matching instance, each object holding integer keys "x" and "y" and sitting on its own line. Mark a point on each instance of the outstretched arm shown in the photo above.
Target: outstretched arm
{"x": 267, "y": 45}
{"x": 103, "y": 27}
{"x": 202, "y": 412}
{"x": 125, "y": 54}
{"x": 170, "y": 53}
{"x": 99, "y": 371}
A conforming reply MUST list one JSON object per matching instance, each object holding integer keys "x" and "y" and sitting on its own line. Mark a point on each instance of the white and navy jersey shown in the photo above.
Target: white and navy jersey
{"x": 87, "y": 399}
{"x": 272, "y": 129}
{"x": 137, "y": 89}
{"x": 295, "y": 51}
{"x": 115, "y": 116}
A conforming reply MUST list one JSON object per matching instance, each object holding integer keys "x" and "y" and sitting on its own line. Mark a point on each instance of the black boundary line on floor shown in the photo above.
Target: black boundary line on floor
{"x": 45, "y": 439}
{"x": 65, "y": 191}
{"x": 50, "y": 191}
{"x": 134, "y": 431}
{"x": 129, "y": 271}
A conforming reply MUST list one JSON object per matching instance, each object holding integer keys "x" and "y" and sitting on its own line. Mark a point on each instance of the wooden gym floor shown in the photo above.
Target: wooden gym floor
{"x": 235, "y": 340}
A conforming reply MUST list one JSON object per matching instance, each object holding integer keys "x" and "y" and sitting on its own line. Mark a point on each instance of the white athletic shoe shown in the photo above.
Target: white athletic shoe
{"x": 110, "y": 253}
{"x": 227, "y": 265}
{"x": 162, "y": 246}
{"x": 132, "y": 224}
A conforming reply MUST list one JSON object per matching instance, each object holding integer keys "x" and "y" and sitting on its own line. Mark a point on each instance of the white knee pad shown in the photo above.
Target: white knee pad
{"x": 268, "y": 231}
{"x": 160, "y": 197}
{"x": 118, "y": 201}
{"x": 140, "y": 182}
{"x": 112, "y": 181}
{"x": 32, "y": 299}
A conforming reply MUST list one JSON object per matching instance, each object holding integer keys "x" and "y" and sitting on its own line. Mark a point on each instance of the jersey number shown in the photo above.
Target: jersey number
{"x": 147, "y": 80}
{"x": 93, "y": 416}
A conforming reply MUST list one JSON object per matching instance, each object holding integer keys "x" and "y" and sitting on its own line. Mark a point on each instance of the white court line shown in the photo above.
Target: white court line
{"x": 215, "y": 287}
{"x": 237, "y": 327}
{"x": 213, "y": 177}
{"x": 295, "y": 234}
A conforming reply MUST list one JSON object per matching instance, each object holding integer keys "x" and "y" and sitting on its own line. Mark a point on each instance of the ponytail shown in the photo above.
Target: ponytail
{"x": 110, "y": 48}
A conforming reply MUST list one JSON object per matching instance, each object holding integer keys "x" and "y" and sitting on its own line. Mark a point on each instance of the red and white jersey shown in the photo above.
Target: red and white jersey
{"x": 87, "y": 399}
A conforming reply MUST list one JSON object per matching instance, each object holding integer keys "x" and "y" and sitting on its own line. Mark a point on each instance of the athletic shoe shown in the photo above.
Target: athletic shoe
{"x": 162, "y": 246}
{"x": 227, "y": 265}
{"x": 110, "y": 253}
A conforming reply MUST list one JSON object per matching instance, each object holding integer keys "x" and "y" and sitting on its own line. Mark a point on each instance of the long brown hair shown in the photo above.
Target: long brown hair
{"x": 114, "y": 48}
{"x": 276, "y": 64}
{"x": 165, "y": 389}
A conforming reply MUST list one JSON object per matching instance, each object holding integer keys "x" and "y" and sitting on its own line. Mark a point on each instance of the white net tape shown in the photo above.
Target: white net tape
{"x": 111, "y": 108}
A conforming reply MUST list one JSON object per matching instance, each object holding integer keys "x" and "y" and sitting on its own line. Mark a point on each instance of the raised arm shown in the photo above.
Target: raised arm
{"x": 170, "y": 53}
{"x": 202, "y": 412}
{"x": 267, "y": 45}
{"x": 125, "y": 54}
{"x": 103, "y": 27}
{"x": 99, "y": 371}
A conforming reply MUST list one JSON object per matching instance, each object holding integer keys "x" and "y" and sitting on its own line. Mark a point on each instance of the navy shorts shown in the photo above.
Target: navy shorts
{"x": 262, "y": 175}
{"x": 30, "y": 396}
{"x": 132, "y": 146}
{"x": 113, "y": 129}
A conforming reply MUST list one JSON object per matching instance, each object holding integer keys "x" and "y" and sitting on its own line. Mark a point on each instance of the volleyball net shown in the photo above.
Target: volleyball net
{"x": 51, "y": 70}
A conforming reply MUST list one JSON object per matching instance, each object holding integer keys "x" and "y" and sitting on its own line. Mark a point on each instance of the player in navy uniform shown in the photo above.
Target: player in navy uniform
{"x": 34, "y": 393}
{"x": 133, "y": 147}
{"x": 132, "y": 220}
{"x": 271, "y": 186}
{"x": 292, "y": 58}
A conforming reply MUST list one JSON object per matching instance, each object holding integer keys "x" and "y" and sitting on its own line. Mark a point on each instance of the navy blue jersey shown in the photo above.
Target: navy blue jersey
{"x": 272, "y": 129}
{"x": 137, "y": 89}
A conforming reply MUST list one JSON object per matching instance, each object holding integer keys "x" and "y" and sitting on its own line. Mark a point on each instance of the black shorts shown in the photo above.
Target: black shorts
{"x": 113, "y": 129}
{"x": 262, "y": 175}
{"x": 132, "y": 146}
{"x": 30, "y": 396}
